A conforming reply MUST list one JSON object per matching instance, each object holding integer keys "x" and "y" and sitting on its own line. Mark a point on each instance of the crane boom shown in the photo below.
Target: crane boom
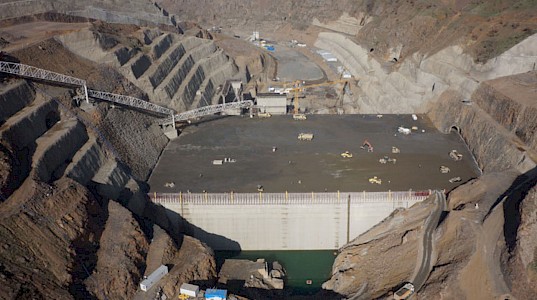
{"x": 299, "y": 88}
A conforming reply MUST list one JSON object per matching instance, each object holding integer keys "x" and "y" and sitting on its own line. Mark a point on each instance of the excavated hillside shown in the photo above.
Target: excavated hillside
{"x": 400, "y": 28}
{"x": 90, "y": 163}
{"x": 468, "y": 64}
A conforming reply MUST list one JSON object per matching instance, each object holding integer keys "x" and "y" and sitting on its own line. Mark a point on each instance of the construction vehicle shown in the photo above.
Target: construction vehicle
{"x": 366, "y": 145}
{"x": 455, "y": 155}
{"x": 299, "y": 117}
{"x": 346, "y": 154}
{"x": 305, "y": 136}
{"x": 375, "y": 179}
{"x": 404, "y": 292}
{"x": 387, "y": 159}
{"x": 264, "y": 115}
{"x": 444, "y": 169}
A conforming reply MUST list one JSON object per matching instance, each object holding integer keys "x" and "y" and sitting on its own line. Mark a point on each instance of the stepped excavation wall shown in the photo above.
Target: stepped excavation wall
{"x": 166, "y": 66}
{"x": 281, "y": 221}
{"x": 13, "y": 98}
{"x": 163, "y": 45}
{"x": 59, "y": 146}
{"x": 141, "y": 65}
{"x": 492, "y": 145}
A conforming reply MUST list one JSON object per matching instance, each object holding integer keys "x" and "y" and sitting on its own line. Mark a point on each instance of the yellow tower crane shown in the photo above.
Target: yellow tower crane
{"x": 299, "y": 88}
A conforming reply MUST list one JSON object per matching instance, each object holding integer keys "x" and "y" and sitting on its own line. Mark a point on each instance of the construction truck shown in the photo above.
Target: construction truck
{"x": 305, "y": 136}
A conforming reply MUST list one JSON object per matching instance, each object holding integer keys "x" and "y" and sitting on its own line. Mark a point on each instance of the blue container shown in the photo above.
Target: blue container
{"x": 214, "y": 294}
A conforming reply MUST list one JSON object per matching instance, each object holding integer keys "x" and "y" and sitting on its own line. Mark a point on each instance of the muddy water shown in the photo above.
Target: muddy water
{"x": 306, "y": 166}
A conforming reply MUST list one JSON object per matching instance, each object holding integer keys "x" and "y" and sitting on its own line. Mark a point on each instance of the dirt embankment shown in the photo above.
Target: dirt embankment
{"x": 257, "y": 65}
{"x": 486, "y": 28}
{"x": 45, "y": 250}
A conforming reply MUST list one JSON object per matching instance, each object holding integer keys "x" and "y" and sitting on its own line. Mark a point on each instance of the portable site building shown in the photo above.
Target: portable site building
{"x": 189, "y": 289}
{"x": 148, "y": 282}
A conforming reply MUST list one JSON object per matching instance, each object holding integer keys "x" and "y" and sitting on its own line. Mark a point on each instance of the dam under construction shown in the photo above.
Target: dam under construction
{"x": 270, "y": 149}
{"x": 240, "y": 183}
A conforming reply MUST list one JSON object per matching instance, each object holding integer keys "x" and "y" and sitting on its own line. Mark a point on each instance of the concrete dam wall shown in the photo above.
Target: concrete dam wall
{"x": 281, "y": 221}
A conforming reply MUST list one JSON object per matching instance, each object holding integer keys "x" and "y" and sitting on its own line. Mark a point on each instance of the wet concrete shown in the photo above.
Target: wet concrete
{"x": 306, "y": 166}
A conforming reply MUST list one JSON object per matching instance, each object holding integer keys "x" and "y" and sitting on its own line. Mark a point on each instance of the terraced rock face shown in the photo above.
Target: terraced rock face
{"x": 176, "y": 71}
{"x": 60, "y": 169}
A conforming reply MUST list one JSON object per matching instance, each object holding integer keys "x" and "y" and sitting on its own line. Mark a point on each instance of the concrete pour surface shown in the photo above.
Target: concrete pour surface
{"x": 310, "y": 166}
{"x": 293, "y": 65}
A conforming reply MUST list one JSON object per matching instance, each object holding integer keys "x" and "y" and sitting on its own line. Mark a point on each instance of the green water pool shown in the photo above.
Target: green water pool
{"x": 301, "y": 266}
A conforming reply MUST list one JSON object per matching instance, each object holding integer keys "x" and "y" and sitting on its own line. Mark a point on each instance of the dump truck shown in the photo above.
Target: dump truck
{"x": 305, "y": 136}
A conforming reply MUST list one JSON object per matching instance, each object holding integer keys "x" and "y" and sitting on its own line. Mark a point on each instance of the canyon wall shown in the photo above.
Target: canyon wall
{"x": 407, "y": 87}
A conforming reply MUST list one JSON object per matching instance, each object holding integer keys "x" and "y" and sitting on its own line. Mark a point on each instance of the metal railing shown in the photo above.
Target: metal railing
{"x": 130, "y": 101}
{"x": 33, "y": 72}
{"x": 208, "y": 110}
{"x": 287, "y": 198}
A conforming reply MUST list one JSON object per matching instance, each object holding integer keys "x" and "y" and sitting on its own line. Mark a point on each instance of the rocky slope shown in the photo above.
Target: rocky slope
{"x": 63, "y": 157}
{"x": 483, "y": 247}
{"x": 399, "y": 28}
{"x": 366, "y": 266}
{"x": 120, "y": 259}
{"x": 45, "y": 250}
